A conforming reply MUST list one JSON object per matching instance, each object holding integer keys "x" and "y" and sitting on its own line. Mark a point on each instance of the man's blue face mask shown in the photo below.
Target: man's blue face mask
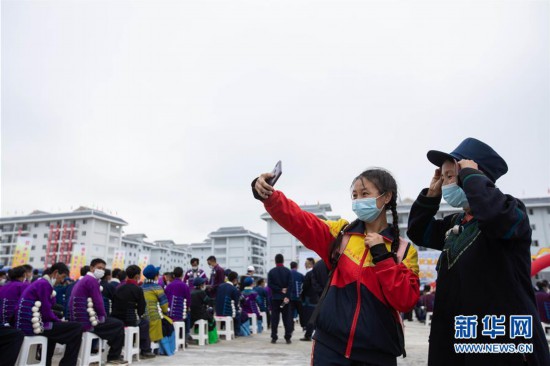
{"x": 454, "y": 195}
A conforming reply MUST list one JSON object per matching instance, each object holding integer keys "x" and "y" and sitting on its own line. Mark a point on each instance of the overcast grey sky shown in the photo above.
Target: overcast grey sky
{"x": 165, "y": 111}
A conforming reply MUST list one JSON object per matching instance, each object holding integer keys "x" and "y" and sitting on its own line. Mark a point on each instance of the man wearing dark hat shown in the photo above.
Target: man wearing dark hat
{"x": 485, "y": 245}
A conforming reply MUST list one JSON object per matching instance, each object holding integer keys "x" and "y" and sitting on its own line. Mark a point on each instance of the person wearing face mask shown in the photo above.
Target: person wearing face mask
{"x": 374, "y": 273}
{"x": 217, "y": 276}
{"x": 194, "y": 272}
{"x": 487, "y": 243}
{"x": 34, "y": 316}
{"x": 87, "y": 291}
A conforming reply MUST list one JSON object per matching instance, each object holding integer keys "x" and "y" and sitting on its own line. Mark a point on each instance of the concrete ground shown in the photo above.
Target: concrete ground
{"x": 257, "y": 350}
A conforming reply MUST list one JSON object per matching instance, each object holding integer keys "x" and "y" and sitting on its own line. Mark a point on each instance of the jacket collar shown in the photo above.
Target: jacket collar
{"x": 358, "y": 227}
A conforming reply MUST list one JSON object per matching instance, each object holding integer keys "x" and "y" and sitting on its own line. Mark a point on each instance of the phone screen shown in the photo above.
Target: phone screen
{"x": 277, "y": 171}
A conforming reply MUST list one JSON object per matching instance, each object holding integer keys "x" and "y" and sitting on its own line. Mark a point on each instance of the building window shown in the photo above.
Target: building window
{"x": 535, "y": 243}
{"x": 42, "y": 259}
{"x": 83, "y": 233}
{"x": 44, "y": 247}
{"x": 36, "y": 224}
{"x": 533, "y": 227}
{"x": 530, "y": 211}
{"x": 34, "y": 236}
{"x": 31, "y": 259}
{"x": 33, "y": 247}
{"x": 84, "y": 222}
{"x": 47, "y": 224}
{"x": 45, "y": 236}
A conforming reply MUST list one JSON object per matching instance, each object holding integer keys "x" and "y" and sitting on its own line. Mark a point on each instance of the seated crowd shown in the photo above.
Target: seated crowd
{"x": 105, "y": 302}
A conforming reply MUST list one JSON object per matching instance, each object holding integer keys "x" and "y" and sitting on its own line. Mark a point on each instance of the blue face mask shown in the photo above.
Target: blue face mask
{"x": 366, "y": 209}
{"x": 454, "y": 195}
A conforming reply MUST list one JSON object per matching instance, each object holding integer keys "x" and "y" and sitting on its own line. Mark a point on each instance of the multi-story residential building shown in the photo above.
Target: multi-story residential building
{"x": 235, "y": 248}
{"x": 280, "y": 241}
{"x": 163, "y": 253}
{"x": 53, "y": 235}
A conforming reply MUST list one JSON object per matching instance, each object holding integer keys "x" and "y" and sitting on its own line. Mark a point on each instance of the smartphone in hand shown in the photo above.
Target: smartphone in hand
{"x": 277, "y": 171}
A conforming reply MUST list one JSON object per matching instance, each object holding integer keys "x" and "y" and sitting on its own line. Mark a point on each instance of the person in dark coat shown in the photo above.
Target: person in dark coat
{"x": 310, "y": 298}
{"x": 295, "y": 291}
{"x": 279, "y": 280}
{"x": 217, "y": 276}
{"x": 201, "y": 304}
{"x": 486, "y": 244}
{"x": 11, "y": 340}
{"x": 319, "y": 276}
{"x": 228, "y": 300}
{"x": 129, "y": 307}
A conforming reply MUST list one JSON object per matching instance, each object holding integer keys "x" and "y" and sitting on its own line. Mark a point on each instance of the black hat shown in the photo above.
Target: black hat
{"x": 486, "y": 158}
{"x": 198, "y": 281}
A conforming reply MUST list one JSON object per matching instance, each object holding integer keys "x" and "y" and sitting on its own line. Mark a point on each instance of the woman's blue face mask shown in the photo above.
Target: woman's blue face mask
{"x": 366, "y": 208}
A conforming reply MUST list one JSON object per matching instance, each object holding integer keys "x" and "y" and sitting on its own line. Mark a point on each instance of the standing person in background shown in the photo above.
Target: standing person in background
{"x": 374, "y": 271}
{"x": 486, "y": 244}
{"x": 107, "y": 291}
{"x": 295, "y": 291}
{"x": 217, "y": 276}
{"x": 280, "y": 282}
{"x": 193, "y": 273}
{"x": 310, "y": 298}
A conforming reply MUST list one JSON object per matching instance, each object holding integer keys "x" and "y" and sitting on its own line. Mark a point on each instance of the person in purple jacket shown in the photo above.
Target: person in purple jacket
{"x": 193, "y": 273}
{"x": 34, "y": 316}
{"x": 85, "y": 295}
{"x": 217, "y": 276}
{"x": 179, "y": 299}
{"x": 10, "y": 294}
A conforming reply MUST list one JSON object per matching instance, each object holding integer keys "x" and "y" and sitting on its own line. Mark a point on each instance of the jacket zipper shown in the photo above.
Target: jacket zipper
{"x": 357, "y": 308}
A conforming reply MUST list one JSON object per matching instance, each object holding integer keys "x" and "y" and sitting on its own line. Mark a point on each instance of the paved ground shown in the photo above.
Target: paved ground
{"x": 257, "y": 350}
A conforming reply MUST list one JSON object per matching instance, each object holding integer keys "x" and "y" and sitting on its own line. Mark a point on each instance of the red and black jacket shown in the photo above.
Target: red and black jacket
{"x": 359, "y": 316}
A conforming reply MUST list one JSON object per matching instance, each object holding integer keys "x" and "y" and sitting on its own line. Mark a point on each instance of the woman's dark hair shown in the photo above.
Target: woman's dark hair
{"x": 385, "y": 183}
{"x": 16, "y": 272}
{"x": 260, "y": 281}
{"x": 60, "y": 267}
{"x": 194, "y": 260}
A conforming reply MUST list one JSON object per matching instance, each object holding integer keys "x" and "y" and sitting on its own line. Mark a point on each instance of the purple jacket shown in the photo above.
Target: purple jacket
{"x": 87, "y": 286}
{"x": 10, "y": 294}
{"x": 40, "y": 290}
{"x": 217, "y": 277}
{"x": 176, "y": 292}
{"x": 190, "y": 276}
